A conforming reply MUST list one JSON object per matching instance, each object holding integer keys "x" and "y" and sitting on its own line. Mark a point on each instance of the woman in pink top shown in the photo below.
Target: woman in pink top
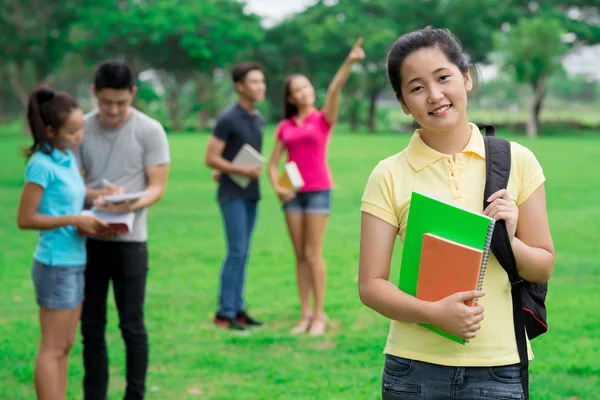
{"x": 304, "y": 134}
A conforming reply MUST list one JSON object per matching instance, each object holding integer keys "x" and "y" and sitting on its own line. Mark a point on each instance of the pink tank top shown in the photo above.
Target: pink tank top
{"x": 306, "y": 145}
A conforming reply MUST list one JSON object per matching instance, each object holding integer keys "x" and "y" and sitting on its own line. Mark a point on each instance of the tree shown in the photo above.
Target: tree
{"x": 34, "y": 40}
{"x": 533, "y": 49}
{"x": 184, "y": 40}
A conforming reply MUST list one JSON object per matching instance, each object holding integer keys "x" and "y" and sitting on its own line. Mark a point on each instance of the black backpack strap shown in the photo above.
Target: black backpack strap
{"x": 489, "y": 129}
{"x": 498, "y": 161}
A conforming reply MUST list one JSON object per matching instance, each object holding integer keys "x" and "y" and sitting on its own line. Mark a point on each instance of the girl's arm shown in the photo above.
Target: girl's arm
{"x": 28, "y": 217}
{"x": 376, "y": 247}
{"x": 284, "y": 194}
{"x": 276, "y": 154}
{"x": 332, "y": 103}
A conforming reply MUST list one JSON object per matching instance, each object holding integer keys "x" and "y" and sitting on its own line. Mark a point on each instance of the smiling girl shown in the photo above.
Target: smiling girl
{"x": 446, "y": 158}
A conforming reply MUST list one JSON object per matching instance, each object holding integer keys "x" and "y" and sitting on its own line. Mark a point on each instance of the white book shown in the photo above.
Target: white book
{"x": 120, "y": 198}
{"x": 120, "y": 222}
{"x": 246, "y": 157}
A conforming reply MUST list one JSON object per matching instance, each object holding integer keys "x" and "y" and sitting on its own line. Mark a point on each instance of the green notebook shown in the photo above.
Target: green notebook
{"x": 427, "y": 214}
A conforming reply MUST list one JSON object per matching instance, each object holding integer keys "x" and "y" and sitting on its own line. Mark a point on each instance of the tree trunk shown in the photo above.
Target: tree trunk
{"x": 371, "y": 122}
{"x": 203, "y": 86}
{"x": 173, "y": 101}
{"x": 539, "y": 100}
{"x": 174, "y": 110}
{"x": 353, "y": 121}
{"x": 536, "y": 106}
{"x": 14, "y": 74}
{"x": 136, "y": 66}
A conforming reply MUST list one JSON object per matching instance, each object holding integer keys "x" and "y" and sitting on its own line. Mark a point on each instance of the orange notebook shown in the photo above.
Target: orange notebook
{"x": 447, "y": 267}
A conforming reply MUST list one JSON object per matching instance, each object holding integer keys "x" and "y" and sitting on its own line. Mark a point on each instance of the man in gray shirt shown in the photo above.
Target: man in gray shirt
{"x": 122, "y": 148}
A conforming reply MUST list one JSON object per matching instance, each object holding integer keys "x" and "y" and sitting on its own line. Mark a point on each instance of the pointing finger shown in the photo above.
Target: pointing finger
{"x": 358, "y": 43}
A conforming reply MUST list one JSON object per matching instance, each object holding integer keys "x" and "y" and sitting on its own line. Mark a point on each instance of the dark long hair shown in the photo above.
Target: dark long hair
{"x": 289, "y": 109}
{"x": 47, "y": 108}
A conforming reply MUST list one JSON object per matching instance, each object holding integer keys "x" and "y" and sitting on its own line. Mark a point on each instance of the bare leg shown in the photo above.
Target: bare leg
{"x": 313, "y": 249}
{"x": 64, "y": 368}
{"x": 296, "y": 224}
{"x": 53, "y": 353}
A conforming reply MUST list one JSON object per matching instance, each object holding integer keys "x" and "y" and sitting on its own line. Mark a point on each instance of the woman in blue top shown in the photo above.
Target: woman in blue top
{"x": 51, "y": 201}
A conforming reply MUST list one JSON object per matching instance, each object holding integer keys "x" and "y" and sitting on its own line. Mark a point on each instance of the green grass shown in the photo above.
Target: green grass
{"x": 192, "y": 360}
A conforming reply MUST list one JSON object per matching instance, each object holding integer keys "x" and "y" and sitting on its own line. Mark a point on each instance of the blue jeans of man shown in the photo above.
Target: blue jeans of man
{"x": 239, "y": 218}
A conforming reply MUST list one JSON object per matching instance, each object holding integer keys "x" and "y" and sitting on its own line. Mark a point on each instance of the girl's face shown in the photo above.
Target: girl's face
{"x": 434, "y": 91}
{"x": 301, "y": 92}
{"x": 70, "y": 135}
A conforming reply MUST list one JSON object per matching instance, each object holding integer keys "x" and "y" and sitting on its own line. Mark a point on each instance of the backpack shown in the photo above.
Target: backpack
{"x": 529, "y": 309}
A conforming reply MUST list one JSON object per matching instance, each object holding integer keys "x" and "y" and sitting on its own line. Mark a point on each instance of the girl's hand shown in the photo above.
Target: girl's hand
{"x": 285, "y": 195}
{"x": 357, "y": 53}
{"x": 454, "y": 316}
{"x": 90, "y": 224}
{"x": 502, "y": 207}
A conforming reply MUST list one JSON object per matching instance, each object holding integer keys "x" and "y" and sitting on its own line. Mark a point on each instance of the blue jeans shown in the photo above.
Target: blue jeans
{"x": 239, "y": 217}
{"x": 409, "y": 379}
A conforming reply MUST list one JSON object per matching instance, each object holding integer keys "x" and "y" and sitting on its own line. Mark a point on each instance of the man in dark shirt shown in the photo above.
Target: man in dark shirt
{"x": 236, "y": 126}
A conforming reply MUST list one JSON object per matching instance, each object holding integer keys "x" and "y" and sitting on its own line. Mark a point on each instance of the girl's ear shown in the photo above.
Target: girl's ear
{"x": 468, "y": 81}
{"x": 51, "y": 132}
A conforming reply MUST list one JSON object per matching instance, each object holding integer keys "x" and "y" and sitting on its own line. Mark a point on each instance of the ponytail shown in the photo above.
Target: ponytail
{"x": 47, "y": 108}
{"x": 289, "y": 109}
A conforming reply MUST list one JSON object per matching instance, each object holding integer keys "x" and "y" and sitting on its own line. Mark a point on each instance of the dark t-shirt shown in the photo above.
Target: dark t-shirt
{"x": 236, "y": 127}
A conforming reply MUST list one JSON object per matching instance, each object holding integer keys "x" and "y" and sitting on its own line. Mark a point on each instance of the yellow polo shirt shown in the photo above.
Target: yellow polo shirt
{"x": 461, "y": 181}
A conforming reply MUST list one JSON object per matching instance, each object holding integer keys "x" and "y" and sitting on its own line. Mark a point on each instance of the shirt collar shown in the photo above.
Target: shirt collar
{"x": 61, "y": 158}
{"x": 252, "y": 114}
{"x": 420, "y": 156}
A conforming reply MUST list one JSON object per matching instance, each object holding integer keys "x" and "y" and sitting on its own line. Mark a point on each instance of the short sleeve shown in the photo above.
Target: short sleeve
{"x": 279, "y": 131}
{"x": 156, "y": 147}
{"x": 222, "y": 129}
{"x": 38, "y": 173}
{"x": 378, "y": 196}
{"x": 326, "y": 126}
{"x": 530, "y": 172}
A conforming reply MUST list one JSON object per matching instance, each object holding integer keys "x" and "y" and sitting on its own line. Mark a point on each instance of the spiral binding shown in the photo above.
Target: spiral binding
{"x": 486, "y": 253}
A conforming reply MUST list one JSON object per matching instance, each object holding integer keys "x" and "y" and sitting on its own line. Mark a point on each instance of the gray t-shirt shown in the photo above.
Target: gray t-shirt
{"x": 121, "y": 156}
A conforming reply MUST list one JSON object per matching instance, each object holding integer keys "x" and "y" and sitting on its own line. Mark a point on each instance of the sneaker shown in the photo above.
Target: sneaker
{"x": 228, "y": 323}
{"x": 244, "y": 319}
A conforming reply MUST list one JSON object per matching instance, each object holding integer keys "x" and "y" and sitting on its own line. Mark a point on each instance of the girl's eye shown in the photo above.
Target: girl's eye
{"x": 444, "y": 77}
{"x": 416, "y": 89}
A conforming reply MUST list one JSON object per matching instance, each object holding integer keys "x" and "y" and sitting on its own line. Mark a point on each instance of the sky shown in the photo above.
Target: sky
{"x": 584, "y": 60}
{"x": 274, "y": 11}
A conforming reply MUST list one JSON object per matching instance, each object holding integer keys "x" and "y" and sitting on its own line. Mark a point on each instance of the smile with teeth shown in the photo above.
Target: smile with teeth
{"x": 441, "y": 109}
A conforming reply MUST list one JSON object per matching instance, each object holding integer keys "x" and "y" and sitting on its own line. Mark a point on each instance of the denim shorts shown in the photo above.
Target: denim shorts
{"x": 58, "y": 288}
{"x": 404, "y": 378}
{"x": 314, "y": 202}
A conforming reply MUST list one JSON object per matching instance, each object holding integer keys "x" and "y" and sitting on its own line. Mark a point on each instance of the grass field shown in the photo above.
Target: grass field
{"x": 192, "y": 360}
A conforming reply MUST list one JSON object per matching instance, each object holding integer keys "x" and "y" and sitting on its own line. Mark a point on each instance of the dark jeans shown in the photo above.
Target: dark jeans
{"x": 239, "y": 217}
{"x": 408, "y": 379}
{"x": 126, "y": 264}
